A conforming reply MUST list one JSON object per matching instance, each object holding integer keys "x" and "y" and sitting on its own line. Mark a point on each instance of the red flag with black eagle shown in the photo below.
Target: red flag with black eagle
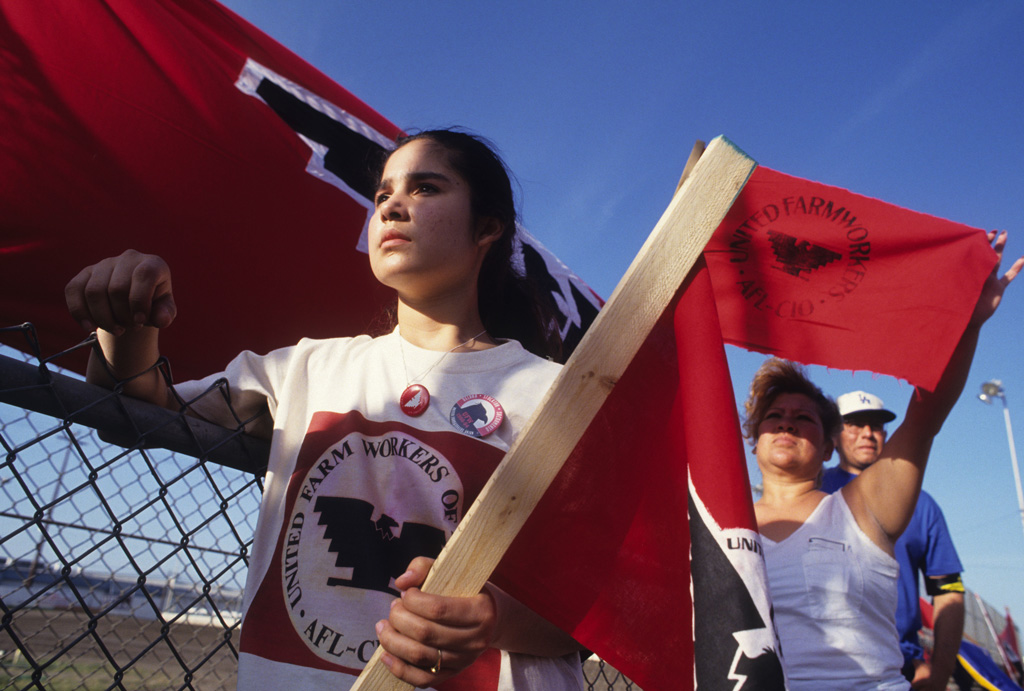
{"x": 175, "y": 127}
{"x": 824, "y": 276}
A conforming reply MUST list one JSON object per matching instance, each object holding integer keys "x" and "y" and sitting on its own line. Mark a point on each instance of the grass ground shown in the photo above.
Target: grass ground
{"x": 67, "y": 654}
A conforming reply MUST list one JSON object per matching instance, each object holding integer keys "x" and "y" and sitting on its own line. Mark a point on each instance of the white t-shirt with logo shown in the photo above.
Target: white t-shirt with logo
{"x": 355, "y": 489}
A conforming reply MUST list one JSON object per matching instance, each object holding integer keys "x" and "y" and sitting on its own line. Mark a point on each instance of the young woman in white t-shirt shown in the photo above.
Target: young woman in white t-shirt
{"x": 441, "y": 236}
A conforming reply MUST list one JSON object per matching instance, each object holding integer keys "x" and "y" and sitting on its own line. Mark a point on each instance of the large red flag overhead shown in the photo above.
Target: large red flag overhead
{"x": 821, "y": 275}
{"x": 645, "y": 547}
{"x": 125, "y": 129}
{"x": 175, "y": 127}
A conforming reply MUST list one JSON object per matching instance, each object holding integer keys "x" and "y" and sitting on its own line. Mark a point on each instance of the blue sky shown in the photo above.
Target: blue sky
{"x": 595, "y": 106}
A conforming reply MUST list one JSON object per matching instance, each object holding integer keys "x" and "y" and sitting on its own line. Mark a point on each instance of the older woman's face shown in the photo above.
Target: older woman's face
{"x": 791, "y": 436}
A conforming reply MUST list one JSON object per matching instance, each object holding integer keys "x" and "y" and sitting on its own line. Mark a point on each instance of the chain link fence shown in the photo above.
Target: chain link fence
{"x": 122, "y": 565}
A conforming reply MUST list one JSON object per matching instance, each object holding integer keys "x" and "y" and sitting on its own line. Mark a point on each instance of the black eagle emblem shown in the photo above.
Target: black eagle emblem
{"x": 796, "y": 256}
{"x": 376, "y": 551}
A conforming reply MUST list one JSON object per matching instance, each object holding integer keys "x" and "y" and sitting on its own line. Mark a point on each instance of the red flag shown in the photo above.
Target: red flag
{"x": 926, "y": 613}
{"x": 175, "y": 127}
{"x": 1008, "y": 639}
{"x": 628, "y": 551}
{"x": 127, "y": 129}
{"x": 809, "y": 272}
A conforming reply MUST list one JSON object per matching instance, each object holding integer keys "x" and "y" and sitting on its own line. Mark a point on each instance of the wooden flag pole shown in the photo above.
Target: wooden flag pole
{"x": 579, "y": 391}
{"x": 696, "y": 152}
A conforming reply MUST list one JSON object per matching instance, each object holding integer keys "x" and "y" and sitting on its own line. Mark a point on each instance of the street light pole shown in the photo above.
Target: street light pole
{"x": 994, "y": 389}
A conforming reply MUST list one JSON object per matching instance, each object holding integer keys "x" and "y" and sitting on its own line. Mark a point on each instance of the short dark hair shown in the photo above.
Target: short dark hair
{"x": 512, "y": 305}
{"x": 775, "y": 377}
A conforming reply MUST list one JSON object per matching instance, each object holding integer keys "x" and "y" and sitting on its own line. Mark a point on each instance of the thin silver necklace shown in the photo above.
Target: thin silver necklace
{"x": 416, "y": 397}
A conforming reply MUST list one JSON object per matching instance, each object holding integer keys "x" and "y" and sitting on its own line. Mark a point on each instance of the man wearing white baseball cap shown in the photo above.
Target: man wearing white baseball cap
{"x": 924, "y": 546}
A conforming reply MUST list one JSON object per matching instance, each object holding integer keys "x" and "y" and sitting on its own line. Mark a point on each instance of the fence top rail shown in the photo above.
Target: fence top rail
{"x": 127, "y": 421}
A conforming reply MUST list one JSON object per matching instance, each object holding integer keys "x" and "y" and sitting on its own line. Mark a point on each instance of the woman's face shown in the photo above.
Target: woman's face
{"x": 791, "y": 437}
{"x": 423, "y": 239}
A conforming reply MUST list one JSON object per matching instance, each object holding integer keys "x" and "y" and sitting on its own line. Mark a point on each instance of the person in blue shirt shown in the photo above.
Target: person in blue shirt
{"x": 925, "y": 546}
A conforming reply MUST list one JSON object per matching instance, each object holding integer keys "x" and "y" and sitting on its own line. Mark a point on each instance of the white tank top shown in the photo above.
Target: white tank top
{"x": 834, "y": 596}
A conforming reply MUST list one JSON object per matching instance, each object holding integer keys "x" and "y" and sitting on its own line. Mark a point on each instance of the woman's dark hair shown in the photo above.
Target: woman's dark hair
{"x": 511, "y": 304}
{"x": 776, "y": 377}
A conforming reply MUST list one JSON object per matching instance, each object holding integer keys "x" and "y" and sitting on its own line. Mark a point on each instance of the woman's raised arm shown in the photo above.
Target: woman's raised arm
{"x": 888, "y": 489}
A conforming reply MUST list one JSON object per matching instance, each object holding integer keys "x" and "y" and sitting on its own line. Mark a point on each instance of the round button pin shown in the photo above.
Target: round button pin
{"x": 414, "y": 400}
{"x": 477, "y": 415}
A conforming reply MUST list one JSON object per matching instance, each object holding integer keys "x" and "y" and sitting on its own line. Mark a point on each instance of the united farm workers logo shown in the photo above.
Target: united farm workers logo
{"x": 818, "y": 247}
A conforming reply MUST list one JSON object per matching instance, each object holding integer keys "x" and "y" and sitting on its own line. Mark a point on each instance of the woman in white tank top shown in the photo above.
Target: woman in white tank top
{"x": 829, "y": 558}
